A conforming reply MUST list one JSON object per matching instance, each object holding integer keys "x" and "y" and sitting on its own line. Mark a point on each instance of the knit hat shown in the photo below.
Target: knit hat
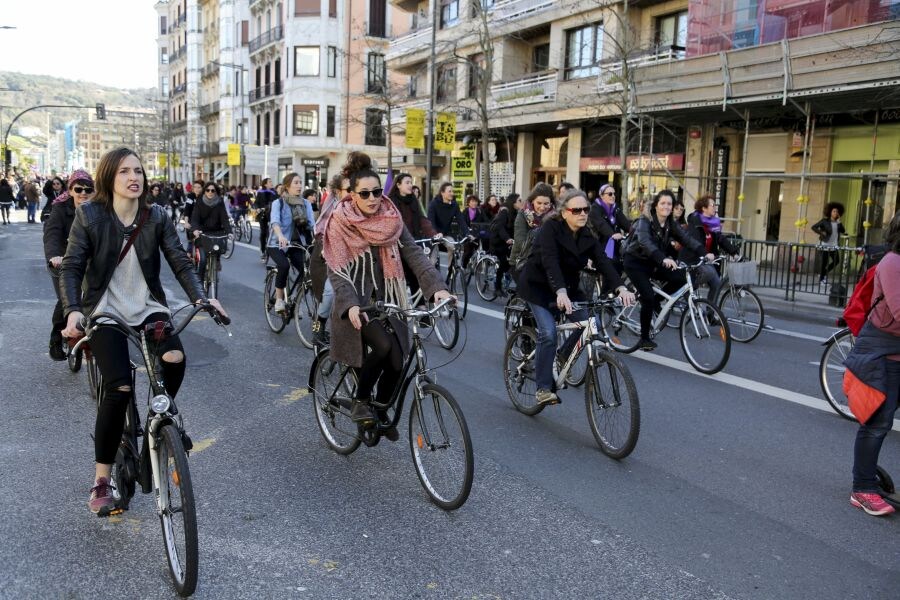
{"x": 77, "y": 175}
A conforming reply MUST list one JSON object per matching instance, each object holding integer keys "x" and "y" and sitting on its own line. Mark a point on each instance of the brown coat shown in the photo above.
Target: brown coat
{"x": 346, "y": 341}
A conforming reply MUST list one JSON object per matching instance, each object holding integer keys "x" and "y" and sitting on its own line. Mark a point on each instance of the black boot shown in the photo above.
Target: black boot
{"x": 361, "y": 413}
{"x": 56, "y": 350}
{"x": 390, "y": 433}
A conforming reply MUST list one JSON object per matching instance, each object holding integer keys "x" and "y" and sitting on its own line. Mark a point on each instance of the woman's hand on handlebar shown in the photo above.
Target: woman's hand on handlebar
{"x": 283, "y": 242}
{"x": 56, "y": 261}
{"x": 710, "y": 257}
{"x": 442, "y": 295}
{"x": 563, "y": 303}
{"x": 356, "y": 318}
{"x": 72, "y": 322}
{"x": 625, "y": 295}
{"x": 218, "y": 306}
{"x": 670, "y": 264}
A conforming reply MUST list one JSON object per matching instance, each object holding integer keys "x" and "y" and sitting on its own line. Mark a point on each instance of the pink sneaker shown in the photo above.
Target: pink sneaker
{"x": 102, "y": 501}
{"x": 871, "y": 503}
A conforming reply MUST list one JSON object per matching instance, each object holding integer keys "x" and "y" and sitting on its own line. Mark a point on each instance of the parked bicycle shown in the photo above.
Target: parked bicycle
{"x": 300, "y": 304}
{"x": 438, "y": 435}
{"x": 703, "y": 330}
{"x": 161, "y": 464}
{"x": 610, "y": 394}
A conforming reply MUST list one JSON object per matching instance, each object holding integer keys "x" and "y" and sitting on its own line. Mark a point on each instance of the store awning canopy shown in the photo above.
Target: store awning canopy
{"x": 220, "y": 174}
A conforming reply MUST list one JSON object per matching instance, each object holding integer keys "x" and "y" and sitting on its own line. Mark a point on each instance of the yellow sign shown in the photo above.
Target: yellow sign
{"x": 163, "y": 160}
{"x": 462, "y": 165}
{"x": 459, "y": 192}
{"x": 234, "y": 155}
{"x": 176, "y": 160}
{"x": 415, "y": 128}
{"x": 444, "y": 131}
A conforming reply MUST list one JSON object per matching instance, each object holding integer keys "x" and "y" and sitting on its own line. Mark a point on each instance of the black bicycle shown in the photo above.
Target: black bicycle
{"x": 215, "y": 246}
{"x": 161, "y": 464}
{"x": 438, "y": 434}
{"x": 300, "y": 304}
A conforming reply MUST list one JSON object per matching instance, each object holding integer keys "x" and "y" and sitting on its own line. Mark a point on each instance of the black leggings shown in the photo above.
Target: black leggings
{"x": 830, "y": 259}
{"x": 284, "y": 267}
{"x": 110, "y": 348}
{"x": 502, "y": 267}
{"x": 383, "y": 362}
{"x": 640, "y": 272}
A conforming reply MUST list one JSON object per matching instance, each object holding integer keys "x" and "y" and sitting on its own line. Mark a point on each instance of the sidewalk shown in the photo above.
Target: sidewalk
{"x": 812, "y": 308}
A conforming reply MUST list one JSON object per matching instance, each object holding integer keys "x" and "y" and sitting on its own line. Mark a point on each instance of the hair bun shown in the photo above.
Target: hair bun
{"x": 356, "y": 162}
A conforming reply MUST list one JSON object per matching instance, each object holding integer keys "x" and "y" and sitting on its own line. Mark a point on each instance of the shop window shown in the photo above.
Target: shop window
{"x": 375, "y": 134}
{"x": 306, "y": 119}
{"x": 583, "y": 50}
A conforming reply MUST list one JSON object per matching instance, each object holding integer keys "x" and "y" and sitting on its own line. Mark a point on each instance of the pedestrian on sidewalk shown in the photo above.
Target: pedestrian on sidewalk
{"x": 875, "y": 362}
{"x": 6, "y": 199}
{"x": 53, "y": 189}
{"x": 32, "y": 197}
{"x": 829, "y": 230}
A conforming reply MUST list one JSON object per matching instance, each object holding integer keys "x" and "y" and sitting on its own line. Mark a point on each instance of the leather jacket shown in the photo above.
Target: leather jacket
{"x": 649, "y": 240}
{"x": 95, "y": 240}
{"x": 56, "y": 229}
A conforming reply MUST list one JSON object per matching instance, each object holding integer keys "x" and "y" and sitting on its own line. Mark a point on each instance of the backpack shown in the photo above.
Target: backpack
{"x": 860, "y": 305}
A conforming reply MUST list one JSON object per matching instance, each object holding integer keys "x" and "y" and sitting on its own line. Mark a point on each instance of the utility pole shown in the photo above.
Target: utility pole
{"x": 429, "y": 143}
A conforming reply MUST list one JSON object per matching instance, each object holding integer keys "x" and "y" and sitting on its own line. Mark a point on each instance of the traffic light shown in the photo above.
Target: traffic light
{"x": 101, "y": 111}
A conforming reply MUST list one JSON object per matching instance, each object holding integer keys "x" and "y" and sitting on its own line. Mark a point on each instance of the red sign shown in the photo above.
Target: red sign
{"x": 694, "y": 133}
{"x": 661, "y": 162}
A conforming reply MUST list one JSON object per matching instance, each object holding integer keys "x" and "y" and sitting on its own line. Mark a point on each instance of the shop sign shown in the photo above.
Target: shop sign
{"x": 314, "y": 162}
{"x": 462, "y": 165}
{"x": 415, "y": 128}
{"x": 445, "y": 131}
{"x": 720, "y": 189}
{"x": 234, "y": 155}
{"x": 661, "y": 162}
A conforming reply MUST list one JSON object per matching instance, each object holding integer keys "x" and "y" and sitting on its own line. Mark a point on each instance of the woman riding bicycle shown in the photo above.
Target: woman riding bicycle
{"x": 365, "y": 247}
{"x": 539, "y": 206}
{"x": 290, "y": 221}
{"x": 96, "y": 277}
{"x": 646, "y": 257}
{"x": 705, "y": 226}
{"x": 550, "y": 281}
{"x": 209, "y": 216}
{"x": 502, "y": 231}
{"x": 610, "y": 224}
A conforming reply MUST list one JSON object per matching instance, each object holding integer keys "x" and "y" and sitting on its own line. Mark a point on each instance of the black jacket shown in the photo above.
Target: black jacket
{"x": 503, "y": 228}
{"x": 556, "y": 261}
{"x": 210, "y": 219}
{"x": 56, "y": 229}
{"x": 823, "y": 228}
{"x": 604, "y": 227}
{"x": 95, "y": 241}
{"x": 442, "y": 216}
{"x": 411, "y": 212}
{"x": 6, "y": 195}
{"x": 697, "y": 232}
{"x": 649, "y": 240}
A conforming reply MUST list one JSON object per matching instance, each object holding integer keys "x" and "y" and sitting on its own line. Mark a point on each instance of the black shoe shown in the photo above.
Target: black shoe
{"x": 56, "y": 351}
{"x": 648, "y": 345}
{"x": 361, "y": 413}
{"x": 390, "y": 433}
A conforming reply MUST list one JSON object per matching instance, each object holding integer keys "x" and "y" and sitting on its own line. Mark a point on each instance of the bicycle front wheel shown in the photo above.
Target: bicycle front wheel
{"x": 832, "y": 369}
{"x": 277, "y": 321}
{"x": 72, "y": 358}
{"x": 446, "y": 327}
{"x": 332, "y": 394}
{"x": 519, "y": 371}
{"x": 485, "y": 278}
{"x": 705, "y": 338}
{"x": 622, "y": 326}
{"x": 744, "y": 311}
{"x": 611, "y": 399}
{"x": 441, "y": 447}
{"x": 177, "y": 514}
{"x": 305, "y": 307}
{"x": 459, "y": 289}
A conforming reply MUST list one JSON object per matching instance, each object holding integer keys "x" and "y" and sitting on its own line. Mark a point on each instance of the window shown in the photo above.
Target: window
{"x": 164, "y": 56}
{"x": 671, "y": 31}
{"x": 377, "y": 18}
{"x": 329, "y": 121}
{"x": 258, "y": 130}
{"x": 449, "y": 13}
{"x": 583, "y": 48}
{"x": 476, "y": 74}
{"x": 540, "y": 58}
{"x": 267, "y": 129}
{"x": 162, "y": 25}
{"x": 245, "y": 33}
{"x": 413, "y": 86}
{"x": 375, "y": 135}
{"x": 376, "y": 74}
{"x": 307, "y": 8}
{"x": 306, "y": 119}
{"x": 306, "y": 61}
{"x": 276, "y": 126}
{"x": 331, "y": 61}
{"x": 485, "y": 6}
{"x": 446, "y": 83}
{"x": 332, "y": 9}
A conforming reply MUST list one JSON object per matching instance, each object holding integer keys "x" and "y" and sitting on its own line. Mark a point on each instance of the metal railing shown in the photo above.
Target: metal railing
{"x": 415, "y": 40}
{"x": 610, "y": 78}
{"x": 535, "y": 87}
{"x": 179, "y": 89}
{"x": 209, "y": 70}
{"x": 264, "y": 39}
{"x": 514, "y": 9}
{"x": 264, "y": 91}
{"x": 209, "y": 109}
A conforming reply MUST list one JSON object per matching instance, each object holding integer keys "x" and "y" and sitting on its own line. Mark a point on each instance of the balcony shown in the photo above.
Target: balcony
{"x": 209, "y": 109}
{"x": 180, "y": 89}
{"x": 210, "y": 149}
{"x": 265, "y": 91}
{"x": 509, "y": 10}
{"x": 263, "y": 40}
{"x": 533, "y": 88}
{"x": 419, "y": 39}
{"x": 209, "y": 70}
{"x": 610, "y": 78}
{"x": 178, "y": 54}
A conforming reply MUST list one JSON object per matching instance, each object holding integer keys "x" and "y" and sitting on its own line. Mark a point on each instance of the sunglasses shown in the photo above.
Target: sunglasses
{"x": 609, "y": 193}
{"x": 82, "y": 190}
{"x": 210, "y": 189}
{"x": 366, "y": 193}
{"x": 579, "y": 210}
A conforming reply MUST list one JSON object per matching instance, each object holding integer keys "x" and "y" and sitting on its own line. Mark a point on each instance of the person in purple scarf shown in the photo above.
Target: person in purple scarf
{"x": 609, "y": 223}
{"x": 705, "y": 226}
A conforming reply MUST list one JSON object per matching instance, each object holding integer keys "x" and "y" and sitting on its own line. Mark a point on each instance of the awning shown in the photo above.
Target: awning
{"x": 220, "y": 174}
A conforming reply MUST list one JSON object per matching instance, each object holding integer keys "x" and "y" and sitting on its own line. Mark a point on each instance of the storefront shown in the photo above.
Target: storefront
{"x": 314, "y": 172}
{"x": 664, "y": 171}
{"x": 550, "y": 155}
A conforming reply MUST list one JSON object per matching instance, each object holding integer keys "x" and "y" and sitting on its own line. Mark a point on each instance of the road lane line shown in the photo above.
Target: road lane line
{"x": 796, "y": 334}
{"x": 741, "y": 382}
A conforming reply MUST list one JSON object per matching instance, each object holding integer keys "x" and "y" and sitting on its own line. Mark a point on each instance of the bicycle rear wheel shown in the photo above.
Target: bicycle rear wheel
{"x": 705, "y": 337}
{"x": 177, "y": 514}
{"x": 513, "y": 314}
{"x": 459, "y": 289}
{"x": 446, "y": 326}
{"x": 832, "y": 369}
{"x": 519, "y": 371}
{"x": 277, "y": 321}
{"x": 611, "y": 399}
{"x": 305, "y": 307}
{"x": 248, "y": 230}
{"x": 744, "y": 311}
{"x": 622, "y": 326}
{"x": 212, "y": 277}
{"x": 485, "y": 278}
{"x": 441, "y": 447}
{"x": 331, "y": 403}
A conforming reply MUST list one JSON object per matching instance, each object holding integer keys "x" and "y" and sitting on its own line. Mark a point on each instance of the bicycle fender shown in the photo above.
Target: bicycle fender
{"x": 835, "y": 335}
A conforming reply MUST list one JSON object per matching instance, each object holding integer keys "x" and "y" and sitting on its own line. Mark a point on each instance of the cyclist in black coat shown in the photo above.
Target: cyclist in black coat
{"x": 610, "y": 224}
{"x": 705, "y": 227}
{"x": 503, "y": 229}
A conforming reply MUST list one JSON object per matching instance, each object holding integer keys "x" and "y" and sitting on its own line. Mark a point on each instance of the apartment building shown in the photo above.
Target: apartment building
{"x": 136, "y": 128}
{"x": 757, "y": 101}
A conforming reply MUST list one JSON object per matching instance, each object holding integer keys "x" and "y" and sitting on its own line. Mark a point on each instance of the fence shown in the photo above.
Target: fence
{"x": 799, "y": 268}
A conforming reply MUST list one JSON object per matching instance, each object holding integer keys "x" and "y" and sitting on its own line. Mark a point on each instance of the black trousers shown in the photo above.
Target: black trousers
{"x": 830, "y": 259}
{"x": 58, "y": 320}
{"x": 641, "y": 274}
{"x": 278, "y": 256}
{"x": 110, "y": 348}
{"x": 383, "y": 362}
{"x": 263, "y": 234}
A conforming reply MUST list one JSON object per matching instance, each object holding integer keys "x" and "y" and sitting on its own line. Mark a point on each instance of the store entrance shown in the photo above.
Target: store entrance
{"x": 552, "y": 176}
{"x": 773, "y": 211}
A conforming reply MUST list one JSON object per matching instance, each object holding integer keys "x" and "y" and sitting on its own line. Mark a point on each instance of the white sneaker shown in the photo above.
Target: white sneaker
{"x": 279, "y": 305}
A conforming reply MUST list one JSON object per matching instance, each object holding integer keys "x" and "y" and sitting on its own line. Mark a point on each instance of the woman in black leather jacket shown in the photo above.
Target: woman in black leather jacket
{"x": 705, "y": 226}
{"x": 95, "y": 279}
{"x": 645, "y": 257}
{"x": 503, "y": 229}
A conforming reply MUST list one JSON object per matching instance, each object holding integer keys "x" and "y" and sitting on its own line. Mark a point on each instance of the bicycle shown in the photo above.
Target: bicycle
{"x": 214, "y": 245}
{"x": 832, "y": 369}
{"x": 445, "y": 323}
{"x": 437, "y": 428}
{"x": 243, "y": 230}
{"x": 740, "y": 304}
{"x": 300, "y": 302}
{"x": 704, "y": 332}
{"x": 161, "y": 465}
{"x": 610, "y": 394}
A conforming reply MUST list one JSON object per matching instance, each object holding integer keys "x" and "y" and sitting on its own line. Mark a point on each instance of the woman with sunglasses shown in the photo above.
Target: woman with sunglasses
{"x": 610, "y": 224}
{"x": 549, "y": 282}
{"x": 539, "y": 206}
{"x": 209, "y": 216}
{"x": 53, "y": 189}
{"x": 290, "y": 221}
{"x": 646, "y": 257}
{"x": 365, "y": 248}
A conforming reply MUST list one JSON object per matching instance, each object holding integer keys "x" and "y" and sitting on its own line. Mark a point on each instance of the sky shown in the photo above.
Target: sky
{"x": 110, "y": 42}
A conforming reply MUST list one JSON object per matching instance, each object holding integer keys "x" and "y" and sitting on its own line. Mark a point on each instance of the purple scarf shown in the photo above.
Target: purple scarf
{"x": 712, "y": 224}
{"x": 610, "y": 210}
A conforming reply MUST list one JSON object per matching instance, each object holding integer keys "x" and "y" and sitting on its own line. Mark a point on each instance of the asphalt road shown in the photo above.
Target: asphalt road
{"x": 738, "y": 486}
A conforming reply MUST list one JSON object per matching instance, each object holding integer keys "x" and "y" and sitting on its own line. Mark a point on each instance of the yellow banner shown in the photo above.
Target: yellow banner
{"x": 415, "y": 128}
{"x": 462, "y": 165}
{"x": 176, "y": 160}
{"x": 234, "y": 155}
{"x": 163, "y": 160}
{"x": 445, "y": 131}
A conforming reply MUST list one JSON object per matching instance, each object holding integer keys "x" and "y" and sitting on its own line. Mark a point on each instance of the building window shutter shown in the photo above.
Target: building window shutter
{"x": 306, "y": 8}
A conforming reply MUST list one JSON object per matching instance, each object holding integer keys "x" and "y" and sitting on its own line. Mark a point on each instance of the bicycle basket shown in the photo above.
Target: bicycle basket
{"x": 742, "y": 273}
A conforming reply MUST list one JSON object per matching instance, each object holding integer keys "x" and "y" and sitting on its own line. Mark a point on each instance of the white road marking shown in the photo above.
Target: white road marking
{"x": 797, "y": 334}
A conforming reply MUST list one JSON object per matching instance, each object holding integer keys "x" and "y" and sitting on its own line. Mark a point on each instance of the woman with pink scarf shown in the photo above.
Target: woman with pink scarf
{"x": 365, "y": 247}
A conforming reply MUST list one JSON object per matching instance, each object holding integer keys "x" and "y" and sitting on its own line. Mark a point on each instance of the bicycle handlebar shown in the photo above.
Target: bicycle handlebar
{"x": 407, "y": 313}
{"x": 700, "y": 263}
